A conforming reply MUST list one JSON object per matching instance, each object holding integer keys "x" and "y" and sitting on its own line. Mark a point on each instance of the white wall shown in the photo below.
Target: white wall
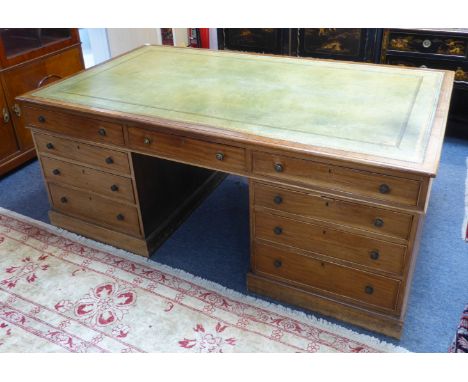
{"x": 122, "y": 40}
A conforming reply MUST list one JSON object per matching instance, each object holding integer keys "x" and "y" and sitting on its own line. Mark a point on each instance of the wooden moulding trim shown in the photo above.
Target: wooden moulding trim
{"x": 387, "y": 325}
{"x": 105, "y": 235}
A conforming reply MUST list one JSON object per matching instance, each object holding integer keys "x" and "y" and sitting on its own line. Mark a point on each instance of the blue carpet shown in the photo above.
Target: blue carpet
{"x": 214, "y": 244}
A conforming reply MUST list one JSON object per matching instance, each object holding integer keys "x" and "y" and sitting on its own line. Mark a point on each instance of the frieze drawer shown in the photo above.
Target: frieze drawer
{"x": 75, "y": 126}
{"x": 342, "y": 281}
{"x": 360, "y": 183}
{"x": 206, "y": 154}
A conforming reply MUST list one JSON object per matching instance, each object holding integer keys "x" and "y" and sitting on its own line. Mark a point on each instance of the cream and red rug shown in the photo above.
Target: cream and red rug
{"x": 63, "y": 293}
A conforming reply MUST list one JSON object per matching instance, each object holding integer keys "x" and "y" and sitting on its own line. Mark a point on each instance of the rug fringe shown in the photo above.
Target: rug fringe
{"x": 279, "y": 309}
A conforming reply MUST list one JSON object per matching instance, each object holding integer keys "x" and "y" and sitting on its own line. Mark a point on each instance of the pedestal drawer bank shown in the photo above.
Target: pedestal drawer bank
{"x": 340, "y": 159}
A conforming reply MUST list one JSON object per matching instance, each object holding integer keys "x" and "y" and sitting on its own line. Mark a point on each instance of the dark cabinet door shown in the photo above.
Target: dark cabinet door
{"x": 260, "y": 40}
{"x": 353, "y": 44}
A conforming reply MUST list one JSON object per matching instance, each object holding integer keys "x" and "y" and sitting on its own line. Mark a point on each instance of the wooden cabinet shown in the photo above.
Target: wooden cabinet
{"x": 30, "y": 59}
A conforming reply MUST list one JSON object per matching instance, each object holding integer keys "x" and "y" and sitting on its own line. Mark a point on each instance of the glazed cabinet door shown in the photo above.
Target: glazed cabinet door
{"x": 8, "y": 144}
{"x": 23, "y": 78}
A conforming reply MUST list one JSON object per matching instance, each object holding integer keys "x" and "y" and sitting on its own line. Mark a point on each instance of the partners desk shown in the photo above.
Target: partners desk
{"x": 340, "y": 158}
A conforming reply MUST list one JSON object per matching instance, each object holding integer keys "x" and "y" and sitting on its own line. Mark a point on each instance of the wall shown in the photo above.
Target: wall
{"x": 122, "y": 40}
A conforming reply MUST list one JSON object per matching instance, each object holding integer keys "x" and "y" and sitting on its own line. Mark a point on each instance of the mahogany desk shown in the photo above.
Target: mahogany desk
{"x": 340, "y": 158}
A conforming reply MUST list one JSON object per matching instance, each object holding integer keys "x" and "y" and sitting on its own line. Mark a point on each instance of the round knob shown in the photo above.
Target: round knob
{"x": 109, "y": 160}
{"x": 368, "y": 289}
{"x": 56, "y": 171}
{"x": 278, "y": 199}
{"x": 63, "y": 199}
{"x": 41, "y": 119}
{"x": 374, "y": 255}
{"x": 277, "y": 263}
{"x": 423, "y": 66}
{"x": 146, "y": 140}
{"x": 102, "y": 132}
{"x": 426, "y": 43}
{"x": 219, "y": 156}
{"x": 50, "y": 146}
{"x": 279, "y": 167}
{"x": 120, "y": 217}
{"x": 378, "y": 222}
{"x": 384, "y": 188}
{"x": 114, "y": 188}
{"x": 278, "y": 230}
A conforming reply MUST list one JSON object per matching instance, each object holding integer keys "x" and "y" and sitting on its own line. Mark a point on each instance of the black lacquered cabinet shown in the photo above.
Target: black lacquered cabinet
{"x": 353, "y": 44}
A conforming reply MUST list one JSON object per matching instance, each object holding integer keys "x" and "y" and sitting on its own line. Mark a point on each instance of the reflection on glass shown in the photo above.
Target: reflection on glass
{"x": 21, "y": 40}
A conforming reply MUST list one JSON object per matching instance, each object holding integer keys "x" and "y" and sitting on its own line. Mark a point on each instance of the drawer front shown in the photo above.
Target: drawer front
{"x": 93, "y": 155}
{"x": 113, "y": 186}
{"x": 361, "y": 250}
{"x": 342, "y": 281}
{"x": 440, "y": 45}
{"x": 105, "y": 212}
{"x": 192, "y": 151}
{"x": 337, "y": 211}
{"x": 75, "y": 126}
{"x": 360, "y": 183}
{"x": 460, "y": 68}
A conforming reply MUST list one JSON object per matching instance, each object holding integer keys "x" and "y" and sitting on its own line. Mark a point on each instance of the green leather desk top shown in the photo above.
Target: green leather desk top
{"x": 367, "y": 109}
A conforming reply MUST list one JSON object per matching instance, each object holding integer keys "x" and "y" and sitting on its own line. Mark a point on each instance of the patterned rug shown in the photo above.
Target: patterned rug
{"x": 62, "y": 293}
{"x": 460, "y": 343}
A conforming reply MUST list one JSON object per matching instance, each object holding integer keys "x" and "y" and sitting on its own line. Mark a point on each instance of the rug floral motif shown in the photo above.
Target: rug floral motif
{"x": 63, "y": 293}
{"x": 460, "y": 342}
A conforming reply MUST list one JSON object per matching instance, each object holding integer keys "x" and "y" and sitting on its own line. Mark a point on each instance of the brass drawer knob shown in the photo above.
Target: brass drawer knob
{"x": 368, "y": 289}
{"x": 378, "y": 223}
{"x": 146, "y": 141}
{"x": 384, "y": 189}
{"x": 120, "y": 217}
{"x": 114, "y": 188}
{"x": 41, "y": 119}
{"x": 278, "y": 199}
{"x": 109, "y": 160}
{"x": 56, "y": 171}
{"x": 102, "y": 132}
{"x": 50, "y": 146}
{"x": 374, "y": 255}
{"x": 63, "y": 199}
{"x": 426, "y": 43}
{"x": 219, "y": 156}
{"x": 277, "y": 263}
{"x": 278, "y": 230}
{"x": 278, "y": 167}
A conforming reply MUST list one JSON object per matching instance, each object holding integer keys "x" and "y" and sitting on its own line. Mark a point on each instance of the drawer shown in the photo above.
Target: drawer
{"x": 110, "y": 185}
{"x": 460, "y": 68}
{"x": 361, "y": 250}
{"x": 342, "y": 281}
{"x": 421, "y": 43}
{"x": 354, "y": 215}
{"x": 192, "y": 151}
{"x": 357, "y": 182}
{"x": 93, "y": 155}
{"x": 75, "y": 126}
{"x": 108, "y": 213}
